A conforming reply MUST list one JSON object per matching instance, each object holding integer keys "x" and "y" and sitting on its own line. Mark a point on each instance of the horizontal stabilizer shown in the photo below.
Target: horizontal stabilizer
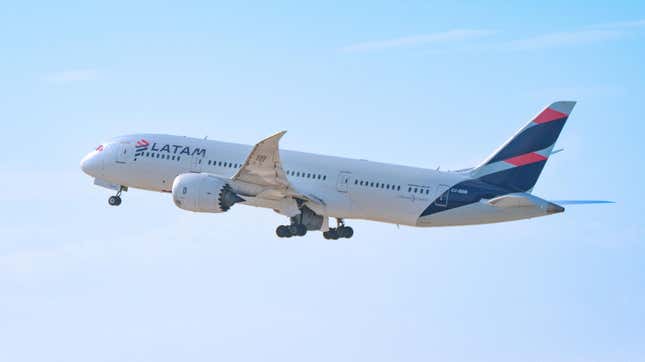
{"x": 519, "y": 200}
{"x": 582, "y": 202}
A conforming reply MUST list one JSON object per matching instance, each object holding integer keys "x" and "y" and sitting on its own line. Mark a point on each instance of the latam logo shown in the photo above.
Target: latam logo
{"x": 142, "y": 145}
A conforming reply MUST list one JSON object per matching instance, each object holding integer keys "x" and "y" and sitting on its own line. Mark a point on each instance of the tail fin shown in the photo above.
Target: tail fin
{"x": 517, "y": 164}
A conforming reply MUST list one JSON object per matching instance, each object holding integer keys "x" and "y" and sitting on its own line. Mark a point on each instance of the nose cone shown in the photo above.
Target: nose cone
{"x": 92, "y": 164}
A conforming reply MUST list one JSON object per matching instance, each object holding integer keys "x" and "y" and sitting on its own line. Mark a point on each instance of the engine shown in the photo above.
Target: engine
{"x": 203, "y": 193}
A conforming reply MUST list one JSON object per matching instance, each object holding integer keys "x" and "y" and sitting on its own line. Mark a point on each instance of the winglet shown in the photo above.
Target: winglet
{"x": 276, "y": 136}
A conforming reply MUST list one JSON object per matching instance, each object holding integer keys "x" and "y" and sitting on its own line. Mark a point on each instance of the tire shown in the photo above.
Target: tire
{"x": 302, "y": 230}
{"x": 346, "y": 232}
{"x": 332, "y": 234}
{"x": 282, "y": 231}
{"x": 114, "y": 201}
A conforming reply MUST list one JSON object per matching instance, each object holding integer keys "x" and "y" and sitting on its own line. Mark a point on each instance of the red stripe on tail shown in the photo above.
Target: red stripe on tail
{"x": 549, "y": 115}
{"x": 525, "y": 159}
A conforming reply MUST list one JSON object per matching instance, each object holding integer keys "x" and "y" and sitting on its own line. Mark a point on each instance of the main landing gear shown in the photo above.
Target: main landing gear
{"x": 309, "y": 220}
{"x": 341, "y": 231}
{"x": 116, "y": 199}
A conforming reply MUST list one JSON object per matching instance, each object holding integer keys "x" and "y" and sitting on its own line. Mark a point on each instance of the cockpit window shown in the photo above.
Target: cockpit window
{"x": 99, "y": 148}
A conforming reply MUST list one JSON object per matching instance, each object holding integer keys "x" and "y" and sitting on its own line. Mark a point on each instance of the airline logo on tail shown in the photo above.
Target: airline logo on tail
{"x": 518, "y": 163}
{"x": 515, "y": 166}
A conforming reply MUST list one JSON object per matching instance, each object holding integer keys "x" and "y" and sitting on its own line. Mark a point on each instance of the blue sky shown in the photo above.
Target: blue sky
{"x": 418, "y": 83}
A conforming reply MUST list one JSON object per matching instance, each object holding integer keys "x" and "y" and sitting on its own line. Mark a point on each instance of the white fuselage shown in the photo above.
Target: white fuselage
{"x": 348, "y": 188}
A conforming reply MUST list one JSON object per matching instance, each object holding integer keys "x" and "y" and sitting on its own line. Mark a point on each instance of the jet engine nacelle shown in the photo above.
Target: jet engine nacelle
{"x": 203, "y": 193}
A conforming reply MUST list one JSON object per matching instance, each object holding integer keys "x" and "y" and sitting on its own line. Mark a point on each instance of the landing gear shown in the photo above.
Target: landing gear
{"x": 307, "y": 219}
{"x": 345, "y": 232}
{"x": 116, "y": 199}
{"x": 287, "y": 231}
{"x": 283, "y": 231}
{"x": 341, "y": 231}
{"x": 331, "y": 234}
{"x": 298, "y": 230}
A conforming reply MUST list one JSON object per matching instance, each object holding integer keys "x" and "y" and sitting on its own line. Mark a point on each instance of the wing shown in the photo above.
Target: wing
{"x": 263, "y": 168}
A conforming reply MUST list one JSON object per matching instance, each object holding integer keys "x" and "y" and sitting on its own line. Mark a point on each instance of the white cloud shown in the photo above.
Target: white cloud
{"x": 72, "y": 75}
{"x": 455, "y": 35}
{"x": 623, "y": 24}
{"x": 591, "y": 34}
{"x": 570, "y": 38}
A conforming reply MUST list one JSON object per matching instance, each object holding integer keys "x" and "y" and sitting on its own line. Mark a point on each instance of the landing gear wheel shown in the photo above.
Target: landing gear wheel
{"x": 283, "y": 231}
{"x": 331, "y": 234}
{"x": 114, "y": 200}
{"x": 345, "y": 232}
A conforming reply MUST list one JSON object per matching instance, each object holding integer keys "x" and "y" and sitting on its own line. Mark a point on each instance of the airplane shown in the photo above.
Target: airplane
{"x": 310, "y": 189}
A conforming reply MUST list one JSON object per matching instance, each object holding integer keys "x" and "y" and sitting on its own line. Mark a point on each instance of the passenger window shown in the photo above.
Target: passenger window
{"x": 355, "y": 182}
{"x": 325, "y": 177}
{"x": 361, "y": 183}
{"x": 398, "y": 188}
{"x": 371, "y": 184}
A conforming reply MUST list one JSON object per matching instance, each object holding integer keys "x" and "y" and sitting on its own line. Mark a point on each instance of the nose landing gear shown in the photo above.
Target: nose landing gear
{"x": 116, "y": 199}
